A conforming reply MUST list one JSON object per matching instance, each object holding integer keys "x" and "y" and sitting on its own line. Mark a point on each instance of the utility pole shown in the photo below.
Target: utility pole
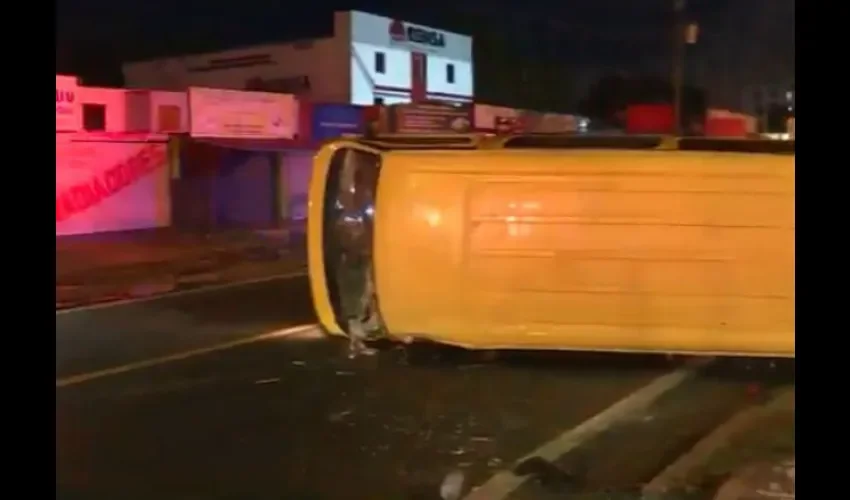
{"x": 678, "y": 63}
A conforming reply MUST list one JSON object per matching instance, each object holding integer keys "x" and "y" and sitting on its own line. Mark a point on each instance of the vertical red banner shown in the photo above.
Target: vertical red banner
{"x": 305, "y": 121}
{"x": 418, "y": 76}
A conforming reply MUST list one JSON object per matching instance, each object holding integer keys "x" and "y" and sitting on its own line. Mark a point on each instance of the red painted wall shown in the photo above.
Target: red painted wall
{"x": 649, "y": 119}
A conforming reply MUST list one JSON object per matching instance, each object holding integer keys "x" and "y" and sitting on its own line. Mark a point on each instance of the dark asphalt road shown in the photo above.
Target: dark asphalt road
{"x": 291, "y": 418}
{"x": 100, "y": 338}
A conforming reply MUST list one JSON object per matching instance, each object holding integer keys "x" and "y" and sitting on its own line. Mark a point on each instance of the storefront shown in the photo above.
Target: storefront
{"x": 228, "y": 169}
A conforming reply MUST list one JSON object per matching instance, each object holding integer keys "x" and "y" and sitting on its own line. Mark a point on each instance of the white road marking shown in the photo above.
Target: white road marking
{"x": 501, "y": 485}
{"x": 182, "y": 293}
{"x": 138, "y": 365}
{"x": 267, "y": 381}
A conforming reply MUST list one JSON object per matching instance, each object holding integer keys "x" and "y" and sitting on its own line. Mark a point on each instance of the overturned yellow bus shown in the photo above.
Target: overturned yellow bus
{"x": 622, "y": 244}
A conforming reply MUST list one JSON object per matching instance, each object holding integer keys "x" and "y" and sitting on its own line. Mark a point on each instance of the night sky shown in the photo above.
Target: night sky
{"x": 94, "y": 36}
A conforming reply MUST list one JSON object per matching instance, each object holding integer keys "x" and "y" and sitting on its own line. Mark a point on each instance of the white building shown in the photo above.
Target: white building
{"x": 369, "y": 59}
{"x": 121, "y": 110}
{"x": 98, "y": 109}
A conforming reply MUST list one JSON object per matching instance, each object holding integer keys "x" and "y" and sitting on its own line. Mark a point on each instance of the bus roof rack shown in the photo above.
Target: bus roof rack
{"x": 422, "y": 141}
{"x": 637, "y": 142}
{"x": 562, "y": 141}
{"x": 581, "y": 141}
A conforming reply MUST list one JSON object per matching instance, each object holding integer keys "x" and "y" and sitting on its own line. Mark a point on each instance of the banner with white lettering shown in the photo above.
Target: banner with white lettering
{"x": 219, "y": 113}
{"x": 111, "y": 186}
{"x": 68, "y": 107}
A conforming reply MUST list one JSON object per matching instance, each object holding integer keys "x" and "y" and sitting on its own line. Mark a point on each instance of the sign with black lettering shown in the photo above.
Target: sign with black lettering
{"x": 402, "y": 33}
{"x": 68, "y": 110}
{"x": 289, "y": 85}
{"x": 431, "y": 118}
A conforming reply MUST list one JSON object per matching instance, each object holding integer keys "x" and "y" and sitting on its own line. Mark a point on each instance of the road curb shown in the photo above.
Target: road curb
{"x": 115, "y": 301}
{"x": 675, "y": 475}
{"x": 171, "y": 283}
{"x": 198, "y": 278}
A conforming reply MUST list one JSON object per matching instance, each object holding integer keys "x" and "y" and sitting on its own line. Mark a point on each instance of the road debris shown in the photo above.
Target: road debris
{"x": 340, "y": 416}
{"x": 452, "y": 485}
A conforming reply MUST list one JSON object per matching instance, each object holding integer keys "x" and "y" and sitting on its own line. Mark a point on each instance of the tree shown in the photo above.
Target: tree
{"x": 608, "y": 98}
{"x": 605, "y": 98}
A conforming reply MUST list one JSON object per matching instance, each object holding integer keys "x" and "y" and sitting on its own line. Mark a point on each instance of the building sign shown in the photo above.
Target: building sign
{"x": 290, "y": 85}
{"x": 223, "y": 63}
{"x": 68, "y": 107}
{"x": 405, "y": 33}
{"x": 508, "y": 125}
{"x": 504, "y": 120}
{"x": 236, "y": 114}
{"x": 335, "y": 120}
{"x": 111, "y": 186}
{"x": 430, "y": 118}
{"x": 547, "y": 123}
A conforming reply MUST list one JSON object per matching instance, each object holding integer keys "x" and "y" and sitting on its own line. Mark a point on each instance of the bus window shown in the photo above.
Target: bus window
{"x": 348, "y": 209}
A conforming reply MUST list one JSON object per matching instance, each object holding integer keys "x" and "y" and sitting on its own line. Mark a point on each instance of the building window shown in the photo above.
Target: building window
{"x": 94, "y": 117}
{"x": 168, "y": 118}
{"x": 380, "y": 63}
{"x": 450, "y": 73}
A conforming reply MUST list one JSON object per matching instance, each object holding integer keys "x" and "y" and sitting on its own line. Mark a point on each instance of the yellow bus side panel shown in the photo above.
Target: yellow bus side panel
{"x": 589, "y": 250}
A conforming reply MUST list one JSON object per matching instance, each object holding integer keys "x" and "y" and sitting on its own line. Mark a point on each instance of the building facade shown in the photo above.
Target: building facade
{"x": 369, "y": 59}
{"x": 106, "y": 110}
